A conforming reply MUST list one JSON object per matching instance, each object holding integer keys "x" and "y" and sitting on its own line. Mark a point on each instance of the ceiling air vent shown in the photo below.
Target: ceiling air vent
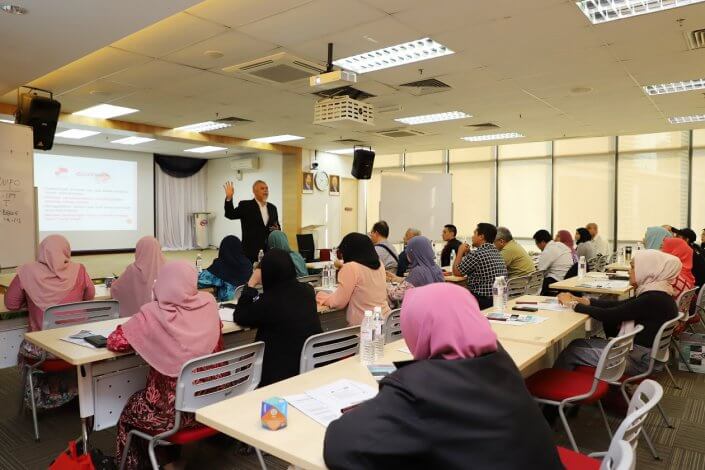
{"x": 695, "y": 39}
{"x": 425, "y": 87}
{"x": 353, "y": 93}
{"x": 279, "y": 68}
{"x": 485, "y": 126}
{"x": 399, "y": 133}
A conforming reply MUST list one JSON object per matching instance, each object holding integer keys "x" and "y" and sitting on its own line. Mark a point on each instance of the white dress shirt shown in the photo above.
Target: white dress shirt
{"x": 263, "y": 210}
{"x": 555, "y": 260}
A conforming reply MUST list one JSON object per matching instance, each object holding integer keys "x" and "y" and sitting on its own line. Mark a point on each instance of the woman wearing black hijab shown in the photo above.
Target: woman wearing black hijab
{"x": 585, "y": 247}
{"x": 229, "y": 270}
{"x": 284, "y": 314}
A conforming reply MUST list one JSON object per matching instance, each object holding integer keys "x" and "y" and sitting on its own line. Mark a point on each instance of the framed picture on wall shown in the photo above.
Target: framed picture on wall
{"x": 334, "y": 185}
{"x": 307, "y": 183}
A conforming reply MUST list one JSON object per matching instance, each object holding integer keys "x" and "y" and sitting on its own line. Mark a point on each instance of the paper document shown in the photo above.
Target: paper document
{"x": 605, "y": 284}
{"x": 404, "y": 349}
{"x": 226, "y": 314}
{"x": 517, "y": 320}
{"x": 101, "y": 290}
{"x": 552, "y": 305}
{"x": 77, "y": 338}
{"x": 323, "y": 404}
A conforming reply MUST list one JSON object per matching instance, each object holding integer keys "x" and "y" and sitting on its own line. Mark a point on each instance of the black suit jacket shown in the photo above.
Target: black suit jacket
{"x": 254, "y": 232}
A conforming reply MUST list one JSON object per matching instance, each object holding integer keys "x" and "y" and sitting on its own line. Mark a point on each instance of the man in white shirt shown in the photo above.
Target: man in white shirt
{"x": 385, "y": 250}
{"x": 600, "y": 245}
{"x": 555, "y": 260}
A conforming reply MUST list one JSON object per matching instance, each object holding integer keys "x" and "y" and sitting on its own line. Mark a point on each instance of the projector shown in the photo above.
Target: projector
{"x": 334, "y": 79}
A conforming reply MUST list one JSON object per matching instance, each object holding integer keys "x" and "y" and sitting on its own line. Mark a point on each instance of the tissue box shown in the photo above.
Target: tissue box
{"x": 274, "y": 413}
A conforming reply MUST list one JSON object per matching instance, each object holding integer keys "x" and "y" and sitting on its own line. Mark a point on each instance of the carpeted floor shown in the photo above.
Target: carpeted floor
{"x": 681, "y": 448}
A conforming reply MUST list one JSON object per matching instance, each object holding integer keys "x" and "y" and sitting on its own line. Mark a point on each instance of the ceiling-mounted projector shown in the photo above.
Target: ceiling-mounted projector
{"x": 334, "y": 79}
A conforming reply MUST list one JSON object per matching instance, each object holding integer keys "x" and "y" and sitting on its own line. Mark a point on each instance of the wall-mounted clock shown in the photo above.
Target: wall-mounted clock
{"x": 321, "y": 180}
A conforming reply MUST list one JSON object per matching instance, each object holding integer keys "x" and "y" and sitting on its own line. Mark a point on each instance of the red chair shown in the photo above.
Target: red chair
{"x": 561, "y": 388}
{"x": 202, "y": 382}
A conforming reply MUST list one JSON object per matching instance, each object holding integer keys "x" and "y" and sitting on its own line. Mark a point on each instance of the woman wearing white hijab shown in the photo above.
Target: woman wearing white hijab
{"x": 651, "y": 274}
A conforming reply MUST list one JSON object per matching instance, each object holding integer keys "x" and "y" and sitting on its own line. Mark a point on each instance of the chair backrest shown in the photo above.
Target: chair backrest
{"x": 330, "y": 346}
{"x": 661, "y": 349}
{"x": 684, "y": 300}
{"x": 215, "y": 377}
{"x": 315, "y": 279}
{"x": 516, "y": 287}
{"x": 613, "y": 360}
{"x": 306, "y": 245}
{"x": 535, "y": 284}
{"x": 80, "y": 312}
{"x": 645, "y": 398}
{"x": 700, "y": 302}
{"x": 612, "y": 258}
{"x": 620, "y": 456}
{"x": 238, "y": 292}
{"x": 392, "y": 326}
{"x": 597, "y": 263}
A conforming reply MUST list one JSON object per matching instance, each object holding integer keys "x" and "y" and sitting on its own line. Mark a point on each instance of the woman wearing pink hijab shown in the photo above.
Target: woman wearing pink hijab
{"x": 457, "y": 405}
{"x": 51, "y": 280}
{"x": 680, "y": 249}
{"x": 179, "y": 325}
{"x": 566, "y": 238}
{"x": 134, "y": 288}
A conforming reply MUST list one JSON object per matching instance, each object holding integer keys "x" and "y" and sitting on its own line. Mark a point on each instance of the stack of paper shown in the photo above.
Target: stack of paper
{"x": 77, "y": 338}
{"x": 226, "y": 314}
{"x": 324, "y": 404}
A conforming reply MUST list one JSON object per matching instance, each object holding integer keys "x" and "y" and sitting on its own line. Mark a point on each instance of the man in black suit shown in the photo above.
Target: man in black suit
{"x": 257, "y": 217}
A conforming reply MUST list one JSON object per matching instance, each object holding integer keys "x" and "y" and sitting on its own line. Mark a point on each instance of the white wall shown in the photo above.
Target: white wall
{"x": 270, "y": 171}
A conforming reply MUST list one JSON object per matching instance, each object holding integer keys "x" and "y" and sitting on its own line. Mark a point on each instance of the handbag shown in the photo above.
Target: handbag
{"x": 71, "y": 459}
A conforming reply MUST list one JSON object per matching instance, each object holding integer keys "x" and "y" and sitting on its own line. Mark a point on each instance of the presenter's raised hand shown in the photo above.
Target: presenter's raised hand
{"x": 229, "y": 190}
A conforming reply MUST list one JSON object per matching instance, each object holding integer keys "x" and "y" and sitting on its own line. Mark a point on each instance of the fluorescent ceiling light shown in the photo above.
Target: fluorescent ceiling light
{"x": 438, "y": 117}
{"x": 675, "y": 87}
{"x": 76, "y": 134}
{"x": 132, "y": 140}
{"x": 278, "y": 138}
{"x": 203, "y": 126}
{"x": 7, "y": 121}
{"x": 394, "y": 56}
{"x": 503, "y": 136}
{"x": 341, "y": 151}
{"x": 602, "y": 11}
{"x": 206, "y": 149}
{"x": 687, "y": 119}
{"x": 105, "y": 111}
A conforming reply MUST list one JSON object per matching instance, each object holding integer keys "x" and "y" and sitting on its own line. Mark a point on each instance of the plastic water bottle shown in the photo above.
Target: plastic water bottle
{"x": 367, "y": 353}
{"x": 378, "y": 337}
{"x": 260, "y": 255}
{"x": 639, "y": 246}
{"x": 452, "y": 257}
{"x": 199, "y": 263}
{"x": 499, "y": 294}
{"x": 582, "y": 267}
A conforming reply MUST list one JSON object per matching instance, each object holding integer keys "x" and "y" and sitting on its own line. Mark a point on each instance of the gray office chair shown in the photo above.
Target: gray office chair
{"x": 330, "y": 346}
{"x": 535, "y": 284}
{"x": 516, "y": 287}
{"x": 684, "y": 300}
{"x": 392, "y": 326}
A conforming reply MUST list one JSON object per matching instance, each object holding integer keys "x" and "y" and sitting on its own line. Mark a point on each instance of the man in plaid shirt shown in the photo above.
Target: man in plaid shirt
{"x": 482, "y": 265}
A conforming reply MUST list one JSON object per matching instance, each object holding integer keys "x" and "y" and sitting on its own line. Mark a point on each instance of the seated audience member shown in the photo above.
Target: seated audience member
{"x": 564, "y": 236}
{"x": 362, "y": 281}
{"x": 179, "y": 325}
{"x": 229, "y": 270}
{"x": 652, "y": 273}
{"x": 555, "y": 259}
{"x": 653, "y": 240}
{"x": 452, "y": 244}
{"x": 423, "y": 418}
{"x": 284, "y": 314}
{"x": 134, "y": 288}
{"x": 277, "y": 239}
{"x": 585, "y": 246}
{"x": 51, "y": 280}
{"x": 601, "y": 246}
{"x": 403, "y": 265}
{"x": 680, "y": 249}
{"x": 385, "y": 250}
{"x": 514, "y": 255}
{"x": 424, "y": 269}
{"x": 698, "y": 254}
{"x": 482, "y": 265}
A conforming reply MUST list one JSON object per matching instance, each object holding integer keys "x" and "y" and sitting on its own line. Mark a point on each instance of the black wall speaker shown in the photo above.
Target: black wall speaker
{"x": 41, "y": 114}
{"x": 363, "y": 161}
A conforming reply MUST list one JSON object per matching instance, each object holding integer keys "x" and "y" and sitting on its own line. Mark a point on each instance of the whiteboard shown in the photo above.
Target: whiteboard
{"x": 17, "y": 219}
{"x": 419, "y": 200}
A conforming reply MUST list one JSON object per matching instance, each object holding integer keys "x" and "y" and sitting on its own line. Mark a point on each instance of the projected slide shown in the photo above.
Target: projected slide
{"x": 82, "y": 194}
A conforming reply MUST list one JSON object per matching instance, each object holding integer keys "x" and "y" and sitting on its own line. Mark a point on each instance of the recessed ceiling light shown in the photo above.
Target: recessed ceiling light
{"x": 687, "y": 119}
{"x": 7, "y": 121}
{"x": 12, "y": 9}
{"x": 602, "y": 11}
{"x": 438, "y": 117}
{"x": 206, "y": 149}
{"x": 503, "y": 136}
{"x": 133, "y": 140}
{"x": 277, "y": 138}
{"x": 105, "y": 111}
{"x": 213, "y": 54}
{"x": 203, "y": 126}
{"x": 341, "y": 151}
{"x": 675, "y": 87}
{"x": 394, "y": 56}
{"x": 76, "y": 134}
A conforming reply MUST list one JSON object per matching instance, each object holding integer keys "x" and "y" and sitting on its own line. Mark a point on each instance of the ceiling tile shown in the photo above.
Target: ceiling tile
{"x": 154, "y": 74}
{"x": 235, "y": 48}
{"x": 242, "y": 12}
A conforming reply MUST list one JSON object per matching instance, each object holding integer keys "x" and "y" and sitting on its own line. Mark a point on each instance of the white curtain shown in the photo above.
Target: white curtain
{"x": 177, "y": 199}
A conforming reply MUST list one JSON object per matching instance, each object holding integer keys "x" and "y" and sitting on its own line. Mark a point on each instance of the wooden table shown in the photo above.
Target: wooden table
{"x": 301, "y": 442}
{"x": 573, "y": 284}
{"x": 619, "y": 266}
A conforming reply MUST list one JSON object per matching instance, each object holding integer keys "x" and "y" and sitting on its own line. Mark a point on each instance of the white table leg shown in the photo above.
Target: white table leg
{"x": 85, "y": 399}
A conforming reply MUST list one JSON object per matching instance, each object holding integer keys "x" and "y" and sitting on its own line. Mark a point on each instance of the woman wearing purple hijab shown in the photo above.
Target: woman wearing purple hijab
{"x": 422, "y": 269}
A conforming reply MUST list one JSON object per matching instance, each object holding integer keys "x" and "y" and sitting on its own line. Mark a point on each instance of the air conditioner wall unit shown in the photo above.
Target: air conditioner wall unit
{"x": 250, "y": 163}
